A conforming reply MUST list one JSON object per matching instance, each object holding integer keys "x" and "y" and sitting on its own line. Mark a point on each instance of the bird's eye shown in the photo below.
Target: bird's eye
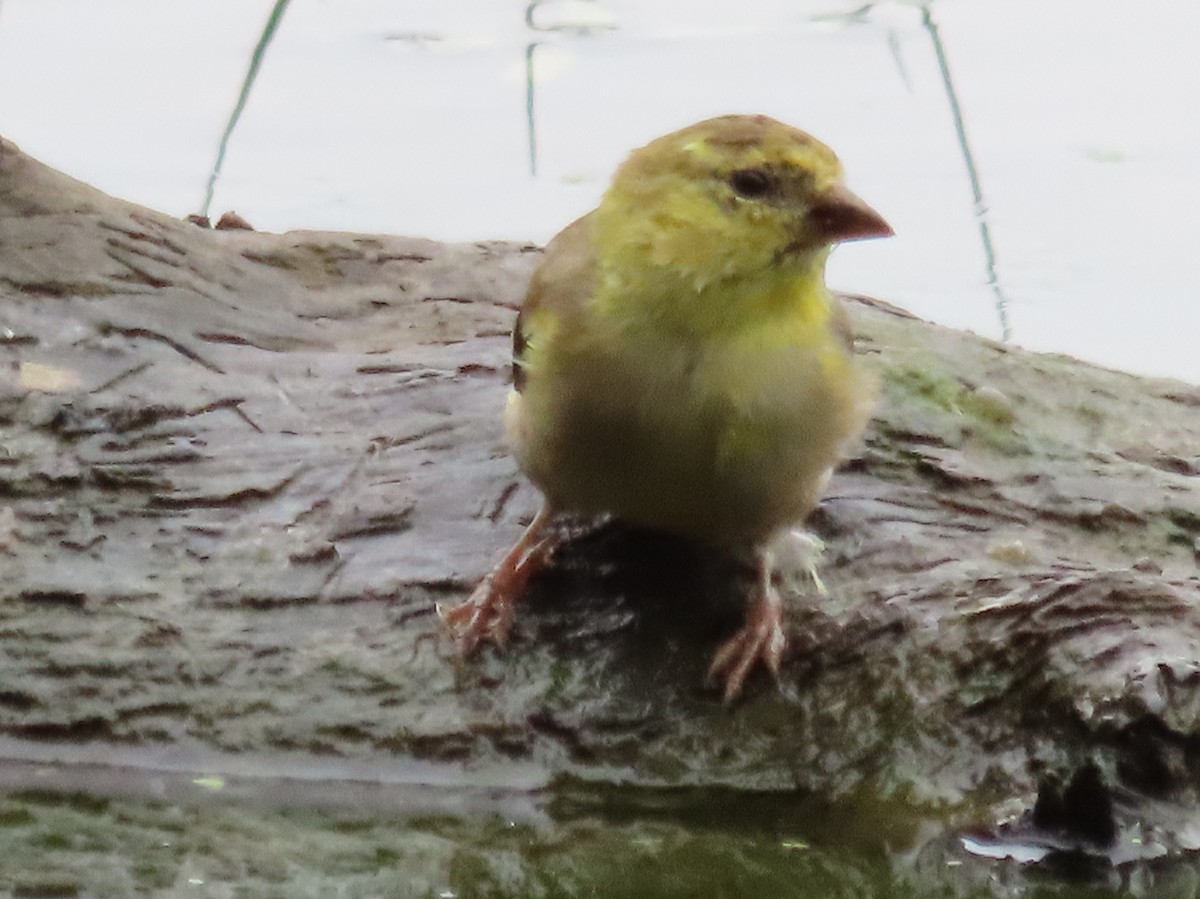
{"x": 751, "y": 183}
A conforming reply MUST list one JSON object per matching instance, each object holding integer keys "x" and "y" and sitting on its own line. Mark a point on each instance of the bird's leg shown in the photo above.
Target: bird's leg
{"x": 487, "y": 614}
{"x": 760, "y": 638}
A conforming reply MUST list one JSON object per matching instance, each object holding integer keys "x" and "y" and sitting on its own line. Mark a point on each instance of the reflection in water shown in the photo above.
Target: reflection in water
{"x": 1088, "y": 112}
{"x": 247, "y": 83}
{"x": 981, "y": 210}
{"x": 579, "y": 17}
{"x": 530, "y": 105}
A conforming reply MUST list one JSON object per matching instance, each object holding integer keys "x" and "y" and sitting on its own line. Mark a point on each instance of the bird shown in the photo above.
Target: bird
{"x": 679, "y": 364}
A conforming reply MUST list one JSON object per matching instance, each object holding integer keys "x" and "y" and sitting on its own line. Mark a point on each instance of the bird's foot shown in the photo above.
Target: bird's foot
{"x": 488, "y": 613}
{"x": 760, "y": 639}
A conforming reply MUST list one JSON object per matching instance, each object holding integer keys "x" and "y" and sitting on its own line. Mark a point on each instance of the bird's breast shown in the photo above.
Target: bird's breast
{"x": 725, "y": 439}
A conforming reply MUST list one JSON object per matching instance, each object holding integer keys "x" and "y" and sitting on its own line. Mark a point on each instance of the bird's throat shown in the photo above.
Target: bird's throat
{"x": 786, "y": 302}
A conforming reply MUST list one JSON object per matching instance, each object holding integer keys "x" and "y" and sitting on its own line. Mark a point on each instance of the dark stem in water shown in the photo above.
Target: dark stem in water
{"x": 247, "y": 83}
{"x": 981, "y": 209}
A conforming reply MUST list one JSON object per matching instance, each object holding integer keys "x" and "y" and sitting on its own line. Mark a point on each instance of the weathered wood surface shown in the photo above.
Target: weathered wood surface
{"x": 237, "y": 470}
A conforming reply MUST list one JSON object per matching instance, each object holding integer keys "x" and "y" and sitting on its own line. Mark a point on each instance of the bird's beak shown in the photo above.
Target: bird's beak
{"x": 840, "y": 214}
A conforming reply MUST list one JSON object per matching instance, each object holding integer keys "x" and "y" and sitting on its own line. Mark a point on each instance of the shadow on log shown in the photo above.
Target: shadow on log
{"x": 239, "y": 469}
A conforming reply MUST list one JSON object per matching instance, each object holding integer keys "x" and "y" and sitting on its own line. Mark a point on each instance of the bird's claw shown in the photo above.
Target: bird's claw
{"x": 487, "y": 615}
{"x": 760, "y": 639}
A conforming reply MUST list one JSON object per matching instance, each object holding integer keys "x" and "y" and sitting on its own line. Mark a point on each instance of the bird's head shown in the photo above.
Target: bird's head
{"x": 729, "y": 197}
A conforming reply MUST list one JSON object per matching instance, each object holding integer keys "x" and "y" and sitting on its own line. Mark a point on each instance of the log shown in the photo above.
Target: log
{"x": 238, "y": 470}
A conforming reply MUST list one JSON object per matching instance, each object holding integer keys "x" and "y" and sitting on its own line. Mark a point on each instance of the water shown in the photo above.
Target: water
{"x": 147, "y": 824}
{"x": 410, "y": 117}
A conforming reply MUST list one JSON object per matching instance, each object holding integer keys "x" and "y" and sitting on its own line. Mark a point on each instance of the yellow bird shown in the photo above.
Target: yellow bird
{"x": 679, "y": 363}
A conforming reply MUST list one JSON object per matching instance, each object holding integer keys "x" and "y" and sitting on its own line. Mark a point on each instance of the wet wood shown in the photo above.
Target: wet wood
{"x": 238, "y": 469}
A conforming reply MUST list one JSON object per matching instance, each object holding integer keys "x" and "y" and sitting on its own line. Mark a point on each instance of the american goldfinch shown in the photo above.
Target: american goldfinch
{"x": 679, "y": 363}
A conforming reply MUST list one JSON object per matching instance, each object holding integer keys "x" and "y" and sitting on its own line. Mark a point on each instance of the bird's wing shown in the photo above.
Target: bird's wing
{"x": 559, "y": 290}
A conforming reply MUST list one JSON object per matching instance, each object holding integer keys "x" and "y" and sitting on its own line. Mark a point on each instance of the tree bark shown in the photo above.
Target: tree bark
{"x": 239, "y": 469}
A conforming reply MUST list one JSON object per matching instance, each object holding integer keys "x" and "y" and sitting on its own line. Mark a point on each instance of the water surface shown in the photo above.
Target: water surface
{"x": 460, "y": 121}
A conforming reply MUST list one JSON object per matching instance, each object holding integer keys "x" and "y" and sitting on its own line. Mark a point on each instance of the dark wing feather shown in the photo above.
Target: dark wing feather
{"x": 564, "y": 281}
